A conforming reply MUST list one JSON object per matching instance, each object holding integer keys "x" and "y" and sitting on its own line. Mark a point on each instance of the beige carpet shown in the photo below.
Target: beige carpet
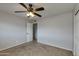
{"x": 35, "y": 49}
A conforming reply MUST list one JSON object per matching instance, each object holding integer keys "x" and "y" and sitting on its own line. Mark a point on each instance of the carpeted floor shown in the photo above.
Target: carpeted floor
{"x": 35, "y": 49}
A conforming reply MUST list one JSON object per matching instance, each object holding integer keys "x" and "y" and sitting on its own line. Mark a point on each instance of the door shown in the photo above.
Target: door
{"x": 29, "y": 32}
{"x": 35, "y": 32}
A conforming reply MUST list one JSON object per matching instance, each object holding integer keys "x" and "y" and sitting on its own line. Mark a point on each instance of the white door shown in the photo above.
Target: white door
{"x": 29, "y": 32}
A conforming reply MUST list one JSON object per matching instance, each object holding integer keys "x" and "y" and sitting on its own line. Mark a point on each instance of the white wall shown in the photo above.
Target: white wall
{"x": 12, "y": 30}
{"x": 76, "y": 32}
{"x": 56, "y": 31}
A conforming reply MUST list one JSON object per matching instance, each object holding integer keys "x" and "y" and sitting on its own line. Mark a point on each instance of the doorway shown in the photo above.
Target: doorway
{"x": 76, "y": 34}
{"x": 35, "y": 32}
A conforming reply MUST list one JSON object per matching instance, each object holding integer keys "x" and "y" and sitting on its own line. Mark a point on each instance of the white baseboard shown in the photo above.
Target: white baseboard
{"x": 55, "y": 46}
{"x": 39, "y": 42}
{"x": 12, "y": 46}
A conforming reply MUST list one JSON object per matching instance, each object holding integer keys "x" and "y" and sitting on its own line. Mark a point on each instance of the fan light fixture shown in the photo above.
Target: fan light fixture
{"x": 30, "y": 14}
{"x": 31, "y": 11}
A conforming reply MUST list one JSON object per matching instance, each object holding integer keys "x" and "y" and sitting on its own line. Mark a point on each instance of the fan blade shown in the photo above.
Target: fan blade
{"x": 39, "y": 9}
{"x": 23, "y": 5}
{"x": 20, "y": 11}
{"x": 37, "y": 14}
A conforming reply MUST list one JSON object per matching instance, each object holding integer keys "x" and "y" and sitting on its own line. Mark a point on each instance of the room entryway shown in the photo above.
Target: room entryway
{"x": 35, "y": 32}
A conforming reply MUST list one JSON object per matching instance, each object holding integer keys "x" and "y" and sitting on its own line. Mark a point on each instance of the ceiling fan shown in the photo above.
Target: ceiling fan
{"x": 31, "y": 11}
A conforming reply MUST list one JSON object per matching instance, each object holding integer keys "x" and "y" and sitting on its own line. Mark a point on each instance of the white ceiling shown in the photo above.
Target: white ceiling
{"x": 50, "y": 8}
